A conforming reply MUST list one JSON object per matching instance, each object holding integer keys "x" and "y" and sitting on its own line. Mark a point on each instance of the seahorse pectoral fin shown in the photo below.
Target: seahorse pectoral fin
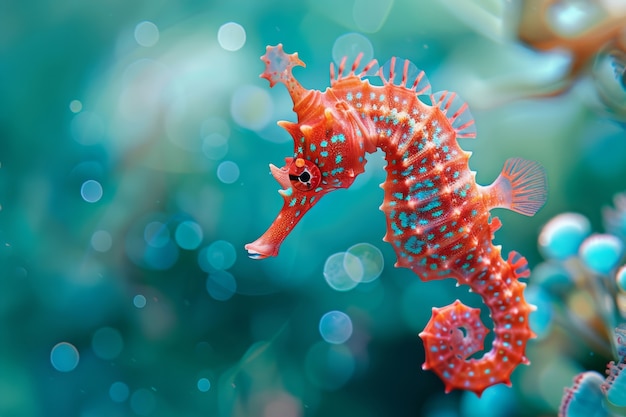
{"x": 521, "y": 187}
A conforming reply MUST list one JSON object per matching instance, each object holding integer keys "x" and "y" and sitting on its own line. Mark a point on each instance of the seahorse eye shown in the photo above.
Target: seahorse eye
{"x": 304, "y": 175}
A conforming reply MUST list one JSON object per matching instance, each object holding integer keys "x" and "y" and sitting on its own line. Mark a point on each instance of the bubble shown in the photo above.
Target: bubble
{"x": 146, "y": 34}
{"x": 91, "y": 191}
{"x": 228, "y": 172}
{"x": 231, "y": 36}
{"x": 218, "y": 255}
{"x": 76, "y": 106}
{"x": 620, "y": 278}
{"x": 335, "y": 327}
{"x": 251, "y": 107}
{"x": 64, "y": 357}
{"x": 337, "y": 276}
{"x": 562, "y": 235}
{"x": 370, "y": 15}
{"x": 329, "y": 366}
{"x": 350, "y": 45}
{"x": 215, "y": 146}
{"x": 188, "y": 235}
{"x": 139, "y": 301}
{"x": 156, "y": 234}
{"x": 221, "y": 285}
{"x": 204, "y": 384}
{"x": 101, "y": 241}
{"x": 118, "y": 392}
{"x": 107, "y": 343}
{"x": 372, "y": 261}
{"x": 86, "y": 128}
{"x": 601, "y": 252}
{"x": 143, "y": 402}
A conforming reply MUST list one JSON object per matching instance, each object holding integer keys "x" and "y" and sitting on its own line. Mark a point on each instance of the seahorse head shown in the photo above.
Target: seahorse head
{"x": 329, "y": 151}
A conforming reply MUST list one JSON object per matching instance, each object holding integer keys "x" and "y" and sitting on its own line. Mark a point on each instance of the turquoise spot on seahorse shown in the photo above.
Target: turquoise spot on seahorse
{"x": 382, "y": 97}
{"x": 448, "y": 235}
{"x": 292, "y": 202}
{"x": 407, "y": 171}
{"x": 433, "y": 266}
{"x": 311, "y": 200}
{"x": 399, "y": 196}
{"x": 338, "y": 158}
{"x": 300, "y": 150}
{"x": 423, "y": 222}
{"x": 431, "y": 205}
{"x": 414, "y": 245}
{"x": 445, "y": 149}
{"x": 349, "y": 96}
{"x": 474, "y": 212}
{"x": 457, "y": 246}
{"x": 359, "y": 95}
{"x": 324, "y": 143}
{"x": 456, "y": 174}
{"x": 430, "y": 236}
{"x": 339, "y": 137}
{"x": 422, "y": 170}
{"x": 297, "y": 213}
{"x": 396, "y": 230}
{"x": 312, "y": 147}
{"x": 288, "y": 192}
{"x": 324, "y": 154}
{"x": 303, "y": 201}
{"x": 437, "y": 213}
{"x": 337, "y": 171}
{"x": 372, "y": 96}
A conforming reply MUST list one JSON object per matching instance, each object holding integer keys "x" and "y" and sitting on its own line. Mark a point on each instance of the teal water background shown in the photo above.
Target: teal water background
{"x": 134, "y": 143}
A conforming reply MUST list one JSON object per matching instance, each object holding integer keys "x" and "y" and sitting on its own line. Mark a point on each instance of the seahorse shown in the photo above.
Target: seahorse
{"x": 437, "y": 216}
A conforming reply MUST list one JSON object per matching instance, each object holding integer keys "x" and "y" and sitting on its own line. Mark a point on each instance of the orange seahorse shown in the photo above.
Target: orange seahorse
{"x": 438, "y": 219}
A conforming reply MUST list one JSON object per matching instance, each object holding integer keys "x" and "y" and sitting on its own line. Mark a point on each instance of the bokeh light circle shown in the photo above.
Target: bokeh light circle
{"x": 218, "y": 255}
{"x": 146, "y": 34}
{"x": 251, "y": 107}
{"x": 601, "y": 252}
{"x": 75, "y": 106}
{"x": 351, "y": 45}
{"x": 371, "y": 260}
{"x": 335, "y": 327}
{"x": 139, "y": 301}
{"x": 143, "y": 402}
{"x": 156, "y": 234}
{"x": 215, "y": 146}
{"x": 228, "y": 172}
{"x": 221, "y": 285}
{"x": 231, "y": 36}
{"x": 107, "y": 343}
{"x": 335, "y": 273}
{"x": 203, "y": 384}
{"x": 188, "y": 235}
{"x": 101, "y": 241}
{"x": 64, "y": 357}
{"x": 562, "y": 235}
{"x": 119, "y": 392}
{"x": 91, "y": 191}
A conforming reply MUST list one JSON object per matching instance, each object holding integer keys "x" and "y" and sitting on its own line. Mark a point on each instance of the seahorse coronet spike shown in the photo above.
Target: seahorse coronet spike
{"x": 438, "y": 218}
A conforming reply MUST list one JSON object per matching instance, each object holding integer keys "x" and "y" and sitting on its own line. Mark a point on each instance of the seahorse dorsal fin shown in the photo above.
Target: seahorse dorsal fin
{"x": 521, "y": 187}
{"x": 412, "y": 77}
{"x": 457, "y": 111}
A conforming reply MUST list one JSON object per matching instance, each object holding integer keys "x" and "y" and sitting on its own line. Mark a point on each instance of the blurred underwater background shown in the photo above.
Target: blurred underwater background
{"x": 135, "y": 139}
